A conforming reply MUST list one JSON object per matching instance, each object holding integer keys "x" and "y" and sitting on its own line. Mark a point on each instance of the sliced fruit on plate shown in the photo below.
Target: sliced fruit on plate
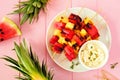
{"x": 57, "y": 47}
{"x": 74, "y": 19}
{"x": 67, "y": 33}
{"x": 54, "y": 39}
{"x": 78, "y": 40}
{"x": 69, "y": 25}
{"x": 8, "y": 29}
{"x": 92, "y": 31}
{"x": 69, "y": 53}
{"x": 70, "y": 34}
{"x": 59, "y": 25}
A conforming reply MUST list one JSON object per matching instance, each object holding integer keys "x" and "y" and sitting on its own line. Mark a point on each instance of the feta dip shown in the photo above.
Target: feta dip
{"x": 93, "y": 54}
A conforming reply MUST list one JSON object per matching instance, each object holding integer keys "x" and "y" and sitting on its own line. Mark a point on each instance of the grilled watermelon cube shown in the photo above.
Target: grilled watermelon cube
{"x": 57, "y": 47}
{"x": 67, "y": 33}
{"x": 92, "y": 31}
{"x": 74, "y": 18}
{"x": 59, "y": 25}
{"x": 69, "y": 53}
{"x": 54, "y": 39}
{"x": 79, "y": 40}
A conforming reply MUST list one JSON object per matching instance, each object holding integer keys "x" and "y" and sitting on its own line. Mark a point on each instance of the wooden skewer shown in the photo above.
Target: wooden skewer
{"x": 53, "y": 55}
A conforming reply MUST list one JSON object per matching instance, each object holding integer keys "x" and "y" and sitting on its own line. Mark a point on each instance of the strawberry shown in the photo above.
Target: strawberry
{"x": 54, "y": 39}
{"x": 92, "y": 31}
{"x": 59, "y": 25}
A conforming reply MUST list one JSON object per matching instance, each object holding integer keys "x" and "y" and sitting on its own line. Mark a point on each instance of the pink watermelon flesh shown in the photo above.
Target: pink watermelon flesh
{"x": 7, "y": 31}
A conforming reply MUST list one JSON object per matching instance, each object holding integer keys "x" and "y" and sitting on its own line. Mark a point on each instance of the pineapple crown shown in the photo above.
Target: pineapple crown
{"x": 30, "y": 10}
{"x": 28, "y": 64}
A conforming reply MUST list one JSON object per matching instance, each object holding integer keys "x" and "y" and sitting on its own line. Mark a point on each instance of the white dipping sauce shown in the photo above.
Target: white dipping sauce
{"x": 93, "y": 54}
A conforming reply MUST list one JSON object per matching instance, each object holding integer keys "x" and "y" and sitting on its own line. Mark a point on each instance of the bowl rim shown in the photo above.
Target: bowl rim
{"x": 103, "y": 47}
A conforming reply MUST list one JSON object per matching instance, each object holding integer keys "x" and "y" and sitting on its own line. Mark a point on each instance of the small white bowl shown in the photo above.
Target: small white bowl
{"x": 89, "y": 56}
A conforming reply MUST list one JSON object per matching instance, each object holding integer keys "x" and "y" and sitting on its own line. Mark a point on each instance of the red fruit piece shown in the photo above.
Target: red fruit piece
{"x": 92, "y": 31}
{"x": 59, "y": 25}
{"x": 74, "y": 19}
{"x": 67, "y": 33}
{"x": 79, "y": 40}
{"x": 57, "y": 47}
{"x": 54, "y": 39}
{"x": 69, "y": 53}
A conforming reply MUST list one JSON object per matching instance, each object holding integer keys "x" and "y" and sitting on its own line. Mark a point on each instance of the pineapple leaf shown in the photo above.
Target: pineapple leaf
{"x": 30, "y": 9}
{"x": 31, "y": 18}
{"x": 11, "y": 60}
{"x": 25, "y": 17}
{"x": 22, "y": 78}
{"x": 28, "y": 64}
{"x": 44, "y": 68}
{"x": 19, "y": 69}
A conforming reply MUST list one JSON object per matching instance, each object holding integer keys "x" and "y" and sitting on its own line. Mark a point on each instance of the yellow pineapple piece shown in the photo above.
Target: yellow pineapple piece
{"x": 77, "y": 49}
{"x": 57, "y": 19}
{"x": 62, "y": 40}
{"x": 69, "y": 25}
{"x": 89, "y": 38}
{"x": 62, "y": 18}
{"x": 71, "y": 43}
{"x": 57, "y": 32}
{"x": 87, "y": 20}
{"x": 77, "y": 32}
{"x": 83, "y": 32}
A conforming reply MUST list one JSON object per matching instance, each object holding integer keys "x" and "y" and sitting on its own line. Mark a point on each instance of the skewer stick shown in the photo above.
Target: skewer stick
{"x": 53, "y": 55}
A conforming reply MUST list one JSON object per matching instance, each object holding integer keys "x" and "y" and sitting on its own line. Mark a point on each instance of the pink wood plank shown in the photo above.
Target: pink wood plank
{"x": 35, "y": 35}
{"x": 92, "y": 5}
{"x": 110, "y": 11}
{"x": 85, "y": 3}
{"x": 54, "y": 7}
{"x": 6, "y": 73}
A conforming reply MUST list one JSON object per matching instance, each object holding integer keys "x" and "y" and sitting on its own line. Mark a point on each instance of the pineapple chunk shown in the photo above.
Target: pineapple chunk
{"x": 71, "y": 43}
{"x": 69, "y": 25}
{"x": 62, "y": 18}
{"x": 89, "y": 38}
{"x": 77, "y": 49}
{"x": 87, "y": 20}
{"x": 57, "y": 32}
{"x": 83, "y": 32}
{"x": 62, "y": 40}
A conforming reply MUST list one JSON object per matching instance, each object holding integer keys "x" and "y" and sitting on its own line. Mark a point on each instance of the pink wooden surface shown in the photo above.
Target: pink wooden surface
{"x": 35, "y": 34}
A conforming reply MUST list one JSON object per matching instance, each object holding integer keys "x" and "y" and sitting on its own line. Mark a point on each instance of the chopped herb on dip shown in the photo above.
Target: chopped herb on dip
{"x": 93, "y": 54}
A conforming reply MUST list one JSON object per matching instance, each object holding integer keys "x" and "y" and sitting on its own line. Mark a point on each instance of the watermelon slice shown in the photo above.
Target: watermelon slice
{"x": 8, "y": 29}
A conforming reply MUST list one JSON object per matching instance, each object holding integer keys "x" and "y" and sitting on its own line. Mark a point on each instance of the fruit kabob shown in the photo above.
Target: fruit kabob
{"x": 71, "y": 33}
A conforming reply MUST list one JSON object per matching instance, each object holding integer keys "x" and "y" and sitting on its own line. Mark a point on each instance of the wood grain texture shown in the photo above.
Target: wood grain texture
{"x": 35, "y": 34}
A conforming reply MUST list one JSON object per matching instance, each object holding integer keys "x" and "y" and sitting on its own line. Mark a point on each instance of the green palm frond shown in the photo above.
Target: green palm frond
{"x": 28, "y": 64}
{"x": 30, "y": 9}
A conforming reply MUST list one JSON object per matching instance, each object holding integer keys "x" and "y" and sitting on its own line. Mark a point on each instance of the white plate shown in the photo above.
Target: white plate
{"x": 99, "y": 22}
